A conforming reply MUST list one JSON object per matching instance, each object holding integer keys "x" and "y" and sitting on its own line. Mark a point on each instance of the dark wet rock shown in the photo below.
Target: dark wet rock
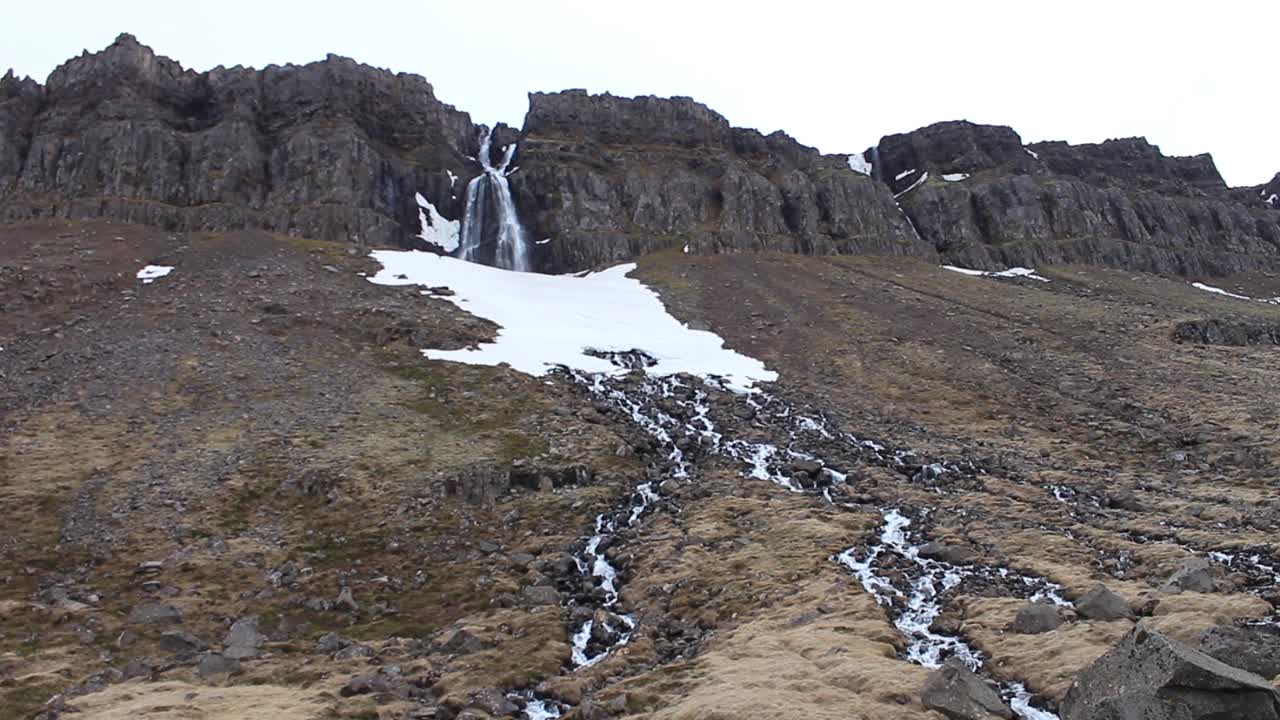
{"x": 955, "y": 691}
{"x": 1148, "y": 676}
{"x": 1256, "y": 649}
{"x": 1035, "y": 618}
{"x": 1195, "y": 575}
{"x": 1101, "y": 603}
{"x": 154, "y": 614}
{"x": 954, "y": 554}
{"x": 243, "y": 639}
{"x": 1227, "y": 332}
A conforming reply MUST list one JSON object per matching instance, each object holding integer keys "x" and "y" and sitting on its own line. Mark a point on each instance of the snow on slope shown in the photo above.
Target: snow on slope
{"x": 150, "y": 273}
{"x": 859, "y": 164}
{"x": 434, "y": 228}
{"x": 551, "y": 320}
{"x": 1012, "y": 272}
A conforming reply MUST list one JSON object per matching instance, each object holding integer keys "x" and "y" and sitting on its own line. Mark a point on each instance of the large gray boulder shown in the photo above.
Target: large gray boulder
{"x": 243, "y": 639}
{"x": 1035, "y": 618}
{"x": 1102, "y": 604}
{"x": 955, "y": 691}
{"x": 1148, "y": 676}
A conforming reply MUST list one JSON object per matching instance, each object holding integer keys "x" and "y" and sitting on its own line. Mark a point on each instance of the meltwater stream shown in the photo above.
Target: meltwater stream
{"x": 491, "y": 229}
{"x": 675, "y": 412}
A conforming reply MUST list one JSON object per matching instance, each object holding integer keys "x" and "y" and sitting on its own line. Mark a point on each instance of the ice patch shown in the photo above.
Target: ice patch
{"x": 904, "y": 173}
{"x": 434, "y": 228}
{"x": 151, "y": 273}
{"x": 1271, "y": 200}
{"x": 1031, "y": 152}
{"x": 859, "y": 164}
{"x": 543, "y": 241}
{"x": 955, "y": 177}
{"x": 1220, "y": 291}
{"x": 912, "y": 186}
{"x": 1013, "y": 272}
{"x": 453, "y": 179}
{"x": 548, "y": 321}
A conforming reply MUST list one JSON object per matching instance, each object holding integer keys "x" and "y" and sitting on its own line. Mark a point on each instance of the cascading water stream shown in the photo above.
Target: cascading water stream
{"x": 491, "y": 229}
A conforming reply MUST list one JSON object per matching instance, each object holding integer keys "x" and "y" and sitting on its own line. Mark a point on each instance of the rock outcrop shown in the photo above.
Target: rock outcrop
{"x": 609, "y": 178}
{"x": 986, "y": 201}
{"x": 331, "y": 150}
{"x": 1148, "y": 676}
{"x": 335, "y": 150}
{"x": 955, "y": 691}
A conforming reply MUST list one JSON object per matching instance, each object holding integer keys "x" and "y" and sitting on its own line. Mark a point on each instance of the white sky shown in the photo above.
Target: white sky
{"x": 1190, "y": 76}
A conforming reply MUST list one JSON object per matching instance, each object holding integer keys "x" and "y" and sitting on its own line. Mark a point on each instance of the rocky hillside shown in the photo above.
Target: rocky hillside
{"x": 335, "y": 150}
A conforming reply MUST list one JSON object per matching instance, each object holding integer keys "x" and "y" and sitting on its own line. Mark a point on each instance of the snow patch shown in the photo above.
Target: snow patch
{"x": 955, "y": 177}
{"x": 912, "y": 186}
{"x": 1031, "y": 152}
{"x": 434, "y": 228}
{"x": 1013, "y": 272}
{"x": 859, "y": 164}
{"x": 548, "y": 321}
{"x": 904, "y": 173}
{"x": 1272, "y": 200}
{"x": 453, "y": 179}
{"x": 1220, "y": 291}
{"x": 151, "y": 273}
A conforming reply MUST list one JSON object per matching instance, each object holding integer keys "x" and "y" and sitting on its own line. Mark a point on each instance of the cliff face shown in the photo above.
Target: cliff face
{"x": 609, "y": 178}
{"x": 335, "y": 150}
{"x": 988, "y": 202}
{"x": 330, "y": 150}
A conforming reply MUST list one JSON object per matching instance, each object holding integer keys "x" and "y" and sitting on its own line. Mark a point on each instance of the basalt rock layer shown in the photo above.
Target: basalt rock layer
{"x": 985, "y": 200}
{"x": 331, "y": 150}
{"x": 609, "y": 178}
{"x": 335, "y": 150}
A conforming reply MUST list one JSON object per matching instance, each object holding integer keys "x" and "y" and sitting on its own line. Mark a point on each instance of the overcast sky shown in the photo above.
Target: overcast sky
{"x": 1190, "y": 76}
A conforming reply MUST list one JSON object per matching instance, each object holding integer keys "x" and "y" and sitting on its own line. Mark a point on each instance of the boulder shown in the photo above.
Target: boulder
{"x": 1035, "y": 618}
{"x": 150, "y": 613}
{"x": 1195, "y": 575}
{"x": 1148, "y": 676}
{"x": 243, "y": 639}
{"x": 181, "y": 643}
{"x": 955, "y": 691}
{"x": 1256, "y": 649}
{"x": 540, "y": 595}
{"x": 1102, "y": 604}
{"x": 954, "y": 554}
{"x": 215, "y": 665}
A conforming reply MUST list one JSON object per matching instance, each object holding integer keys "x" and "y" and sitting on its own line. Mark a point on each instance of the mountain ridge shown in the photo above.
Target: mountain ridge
{"x": 337, "y": 150}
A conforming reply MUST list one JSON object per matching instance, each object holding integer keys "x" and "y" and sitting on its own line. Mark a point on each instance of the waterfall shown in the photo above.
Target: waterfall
{"x": 491, "y": 230}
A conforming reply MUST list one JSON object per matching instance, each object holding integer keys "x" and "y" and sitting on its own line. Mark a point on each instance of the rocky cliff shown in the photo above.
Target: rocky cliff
{"x": 335, "y": 150}
{"x": 608, "y": 178}
{"x": 983, "y": 199}
{"x": 331, "y": 150}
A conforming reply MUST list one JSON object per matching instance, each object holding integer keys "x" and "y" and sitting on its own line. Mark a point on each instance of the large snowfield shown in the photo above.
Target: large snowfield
{"x": 551, "y": 320}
